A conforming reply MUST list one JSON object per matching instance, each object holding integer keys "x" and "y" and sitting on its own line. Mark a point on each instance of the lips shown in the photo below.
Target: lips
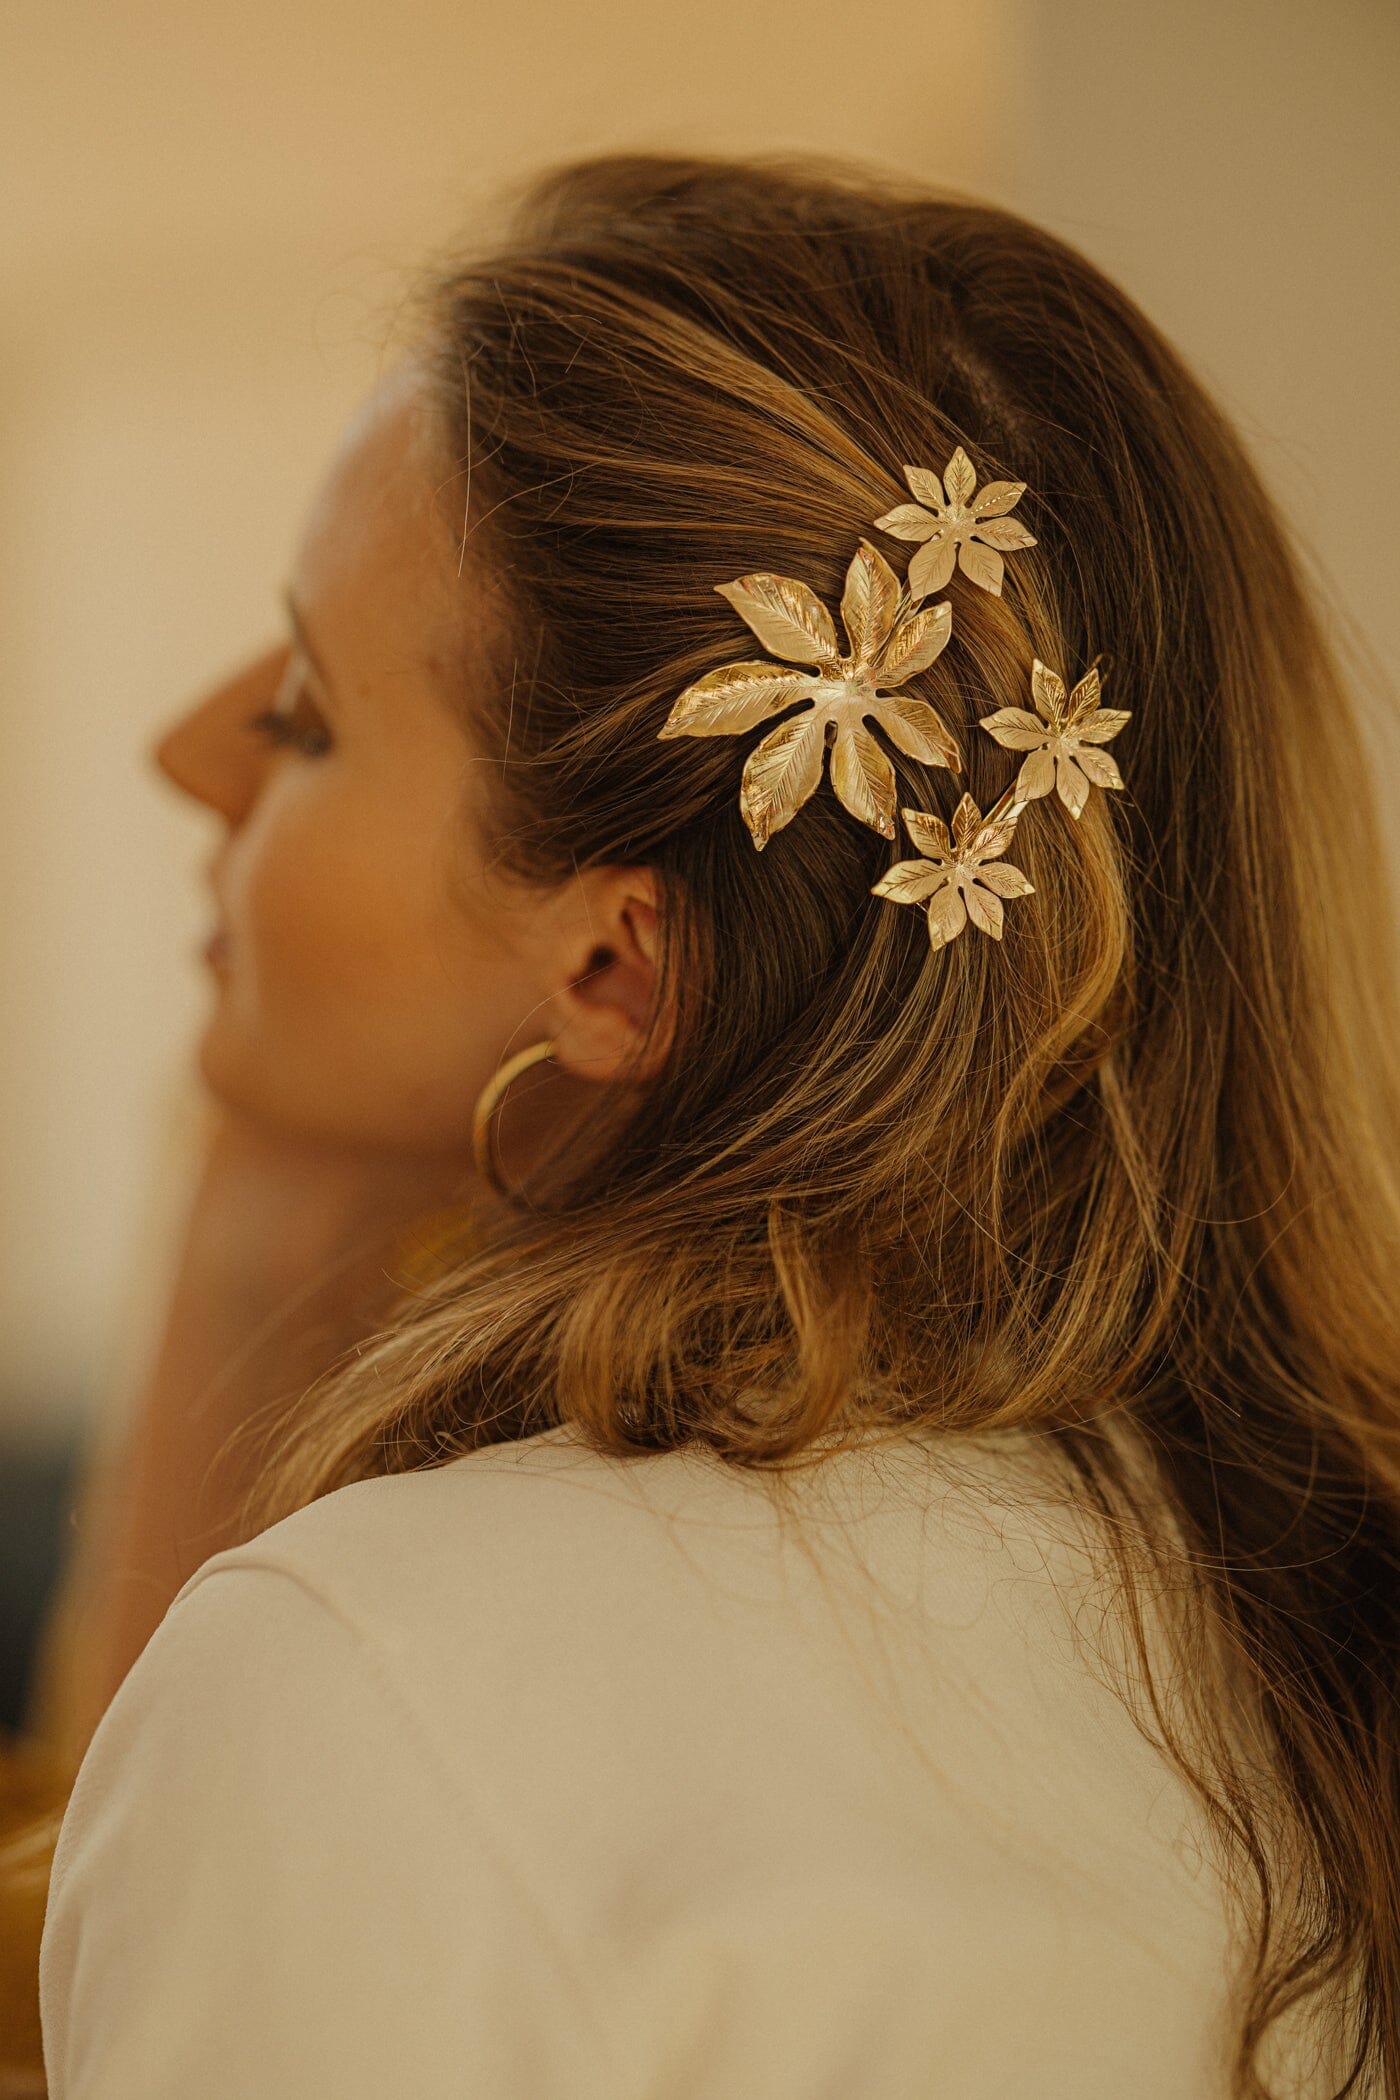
{"x": 215, "y": 950}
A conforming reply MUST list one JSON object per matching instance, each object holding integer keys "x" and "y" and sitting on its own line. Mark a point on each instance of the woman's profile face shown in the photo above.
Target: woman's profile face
{"x": 370, "y": 978}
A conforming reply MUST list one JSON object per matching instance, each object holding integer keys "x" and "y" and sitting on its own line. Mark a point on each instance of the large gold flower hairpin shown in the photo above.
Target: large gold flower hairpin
{"x": 887, "y": 642}
{"x": 957, "y": 526}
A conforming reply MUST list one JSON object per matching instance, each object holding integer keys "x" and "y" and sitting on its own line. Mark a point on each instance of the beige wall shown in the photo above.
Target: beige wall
{"x": 208, "y": 215}
{"x": 1236, "y": 164}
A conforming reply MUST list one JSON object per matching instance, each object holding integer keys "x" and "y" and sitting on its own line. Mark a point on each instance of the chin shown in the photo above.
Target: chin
{"x": 226, "y": 1077}
{"x": 235, "y": 1078}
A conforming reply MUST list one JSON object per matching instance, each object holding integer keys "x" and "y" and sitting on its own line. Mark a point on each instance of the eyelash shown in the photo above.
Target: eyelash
{"x": 278, "y": 729}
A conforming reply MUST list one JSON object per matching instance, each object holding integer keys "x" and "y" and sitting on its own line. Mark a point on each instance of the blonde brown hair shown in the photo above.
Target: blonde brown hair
{"x": 1136, "y": 1164}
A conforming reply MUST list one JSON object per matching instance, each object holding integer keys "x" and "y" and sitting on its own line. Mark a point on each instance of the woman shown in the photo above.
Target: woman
{"x": 869, "y": 1565}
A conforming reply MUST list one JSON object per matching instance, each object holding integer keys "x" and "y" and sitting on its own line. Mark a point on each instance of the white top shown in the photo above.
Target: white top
{"x": 545, "y": 1776}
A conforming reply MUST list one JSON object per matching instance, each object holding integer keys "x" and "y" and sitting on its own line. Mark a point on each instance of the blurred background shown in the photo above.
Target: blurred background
{"x": 209, "y": 217}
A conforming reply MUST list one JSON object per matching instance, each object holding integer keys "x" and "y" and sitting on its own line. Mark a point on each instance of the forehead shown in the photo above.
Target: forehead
{"x": 375, "y": 541}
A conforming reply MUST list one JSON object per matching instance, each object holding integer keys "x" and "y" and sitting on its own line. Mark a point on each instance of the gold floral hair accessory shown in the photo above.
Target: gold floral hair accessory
{"x": 887, "y": 642}
{"x": 962, "y": 877}
{"x": 956, "y": 525}
{"x": 1062, "y": 737}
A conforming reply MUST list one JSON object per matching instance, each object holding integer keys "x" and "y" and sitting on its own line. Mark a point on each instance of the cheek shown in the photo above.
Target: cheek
{"x": 305, "y": 888}
{"x": 359, "y": 1000}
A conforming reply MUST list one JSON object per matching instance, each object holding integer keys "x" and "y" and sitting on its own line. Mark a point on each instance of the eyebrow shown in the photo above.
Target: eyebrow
{"x": 298, "y": 626}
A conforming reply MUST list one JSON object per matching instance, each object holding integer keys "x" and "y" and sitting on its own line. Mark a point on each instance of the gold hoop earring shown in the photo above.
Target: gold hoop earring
{"x": 483, "y": 1146}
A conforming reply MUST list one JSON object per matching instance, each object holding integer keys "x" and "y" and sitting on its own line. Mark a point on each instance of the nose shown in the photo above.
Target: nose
{"x": 209, "y": 752}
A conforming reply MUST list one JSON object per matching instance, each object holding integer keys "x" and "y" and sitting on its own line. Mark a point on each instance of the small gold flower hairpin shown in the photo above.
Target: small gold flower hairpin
{"x": 961, "y": 877}
{"x": 958, "y": 526}
{"x": 1062, "y": 738}
{"x": 887, "y": 642}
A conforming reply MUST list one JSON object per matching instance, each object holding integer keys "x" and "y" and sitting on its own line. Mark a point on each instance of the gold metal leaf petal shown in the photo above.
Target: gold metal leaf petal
{"x": 932, "y": 567}
{"x": 999, "y": 875}
{"x": 1070, "y": 784}
{"x": 734, "y": 698}
{"x": 1036, "y": 777}
{"x": 967, "y": 821}
{"x": 863, "y": 777}
{"x": 911, "y": 881}
{"x": 1084, "y": 700}
{"x": 869, "y": 603}
{"x": 947, "y": 915}
{"x": 984, "y": 909}
{"x": 1015, "y": 729}
{"x": 787, "y": 617}
{"x": 991, "y": 840}
{"x": 1005, "y": 533}
{"x": 929, "y": 833}
{"x": 916, "y": 641}
{"x": 926, "y": 485}
{"x": 959, "y": 479}
{"x": 1103, "y": 726}
{"x": 1048, "y": 691}
{"x": 918, "y": 729}
{"x": 997, "y": 498}
{"x": 780, "y": 774}
{"x": 1098, "y": 766}
{"x": 908, "y": 521}
{"x": 983, "y": 564}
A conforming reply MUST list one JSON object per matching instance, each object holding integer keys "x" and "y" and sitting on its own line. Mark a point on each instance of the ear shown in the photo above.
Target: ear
{"x": 605, "y": 970}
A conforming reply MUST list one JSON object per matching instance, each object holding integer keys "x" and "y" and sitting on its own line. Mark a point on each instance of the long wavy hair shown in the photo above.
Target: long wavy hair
{"x": 1135, "y": 1165}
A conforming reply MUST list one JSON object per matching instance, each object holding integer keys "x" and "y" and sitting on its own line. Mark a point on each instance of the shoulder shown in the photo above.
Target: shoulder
{"x": 614, "y": 1639}
{"x": 548, "y": 1543}
{"x": 269, "y": 1880}
{"x": 503, "y": 1543}
{"x": 550, "y": 1557}
{"x": 555, "y": 1497}
{"x": 658, "y": 1613}
{"x": 619, "y": 1736}
{"x": 552, "y": 1494}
